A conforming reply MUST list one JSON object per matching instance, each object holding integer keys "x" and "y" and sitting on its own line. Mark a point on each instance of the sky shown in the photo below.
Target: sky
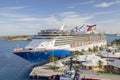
{"x": 18, "y": 17}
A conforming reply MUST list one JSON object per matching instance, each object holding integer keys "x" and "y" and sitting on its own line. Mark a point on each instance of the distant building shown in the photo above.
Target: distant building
{"x": 93, "y": 64}
{"x": 91, "y": 61}
{"x": 115, "y": 66}
{"x": 112, "y": 54}
{"x": 87, "y": 57}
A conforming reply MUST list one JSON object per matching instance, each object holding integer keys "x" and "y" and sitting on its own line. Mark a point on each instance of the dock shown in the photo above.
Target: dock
{"x": 44, "y": 71}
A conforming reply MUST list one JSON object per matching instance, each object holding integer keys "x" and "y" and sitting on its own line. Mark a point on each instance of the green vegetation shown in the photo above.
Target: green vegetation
{"x": 94, "y": 49}
{"x": 52, "y": 67}
{"x": 82, "y": 50}
{"x": 19, "y": 37}
{"x": 55, "y": 69}
{"x": 108, "y": 50}
{"x": 52, "y": 58}
{"x": 90, "y": 50}
{"x": 103, "y": 72}
{"x": 106, "y": 72}
{"x": 100, "y": 63}
{"x": 76, "y": 68}
{"x": 77, "y": 53}
{"x": 101, "y": 48}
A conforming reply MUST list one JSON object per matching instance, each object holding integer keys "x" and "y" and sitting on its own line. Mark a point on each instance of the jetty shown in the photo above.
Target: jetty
{"x": 44, "y": 71}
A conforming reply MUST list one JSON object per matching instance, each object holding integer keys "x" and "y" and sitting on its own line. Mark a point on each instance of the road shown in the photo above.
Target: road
{"x": 93, "y": 74}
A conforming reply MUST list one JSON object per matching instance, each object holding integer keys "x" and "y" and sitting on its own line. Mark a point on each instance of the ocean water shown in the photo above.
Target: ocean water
{"x": 110, "y": 38}
{"x": 13, "y": 67}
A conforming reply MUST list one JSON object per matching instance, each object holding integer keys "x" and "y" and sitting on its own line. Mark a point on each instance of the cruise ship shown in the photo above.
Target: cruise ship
{"x": 60, "y": 43}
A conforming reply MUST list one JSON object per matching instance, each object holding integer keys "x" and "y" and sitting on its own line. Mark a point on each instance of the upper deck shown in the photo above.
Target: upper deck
{"x": 54, "y": 32}
{"x": 49, "y": 34}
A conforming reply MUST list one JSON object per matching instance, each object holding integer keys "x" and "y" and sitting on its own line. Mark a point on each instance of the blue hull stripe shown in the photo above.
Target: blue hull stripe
{"x": 42, "y": 56}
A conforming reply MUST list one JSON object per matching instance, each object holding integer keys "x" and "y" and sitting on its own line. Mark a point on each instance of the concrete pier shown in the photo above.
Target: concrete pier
{"x": 44, "y": 71}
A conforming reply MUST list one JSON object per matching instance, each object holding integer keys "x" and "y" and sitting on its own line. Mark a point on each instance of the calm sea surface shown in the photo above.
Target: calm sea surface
{"x": 13, "y": 67}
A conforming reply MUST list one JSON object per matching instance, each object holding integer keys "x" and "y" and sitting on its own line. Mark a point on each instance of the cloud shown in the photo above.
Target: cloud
{"x": 34, "y": 24}
{"x": 10, "y": 15}
{"x": 107, "y": 4}
{"x": 28, "y": 19}
{"x": 68, "y": 18}
{"x": 107, "y": 21}
{"x": 9, "y": 11}
{"x": 16, "y": 7}
{"x": 12, "y": 8}
{"x": 72, "y": 19}
{"x": 69, "y": 14}
{"x": 104, "y": 4}
{"x": 111, "y": 26}
{"x": 2, "y": 21}
{"x": 21, "y": 23}
{"x": 103, "y": 12}
{"x": 82, "y": 3}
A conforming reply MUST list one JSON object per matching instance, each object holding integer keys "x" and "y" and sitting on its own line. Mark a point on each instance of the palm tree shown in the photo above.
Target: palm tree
{"x": 95, "y": 49}
{"x": 76, "y": 52}
{"x": 108, "y": 68}
{"x": 90, "y": 50}
{"x": 83, "y": 50}
{"x": 118, "y": 48}
{"x": 113, "y": 53}
{"x": 100, "y": 64}
{"x": 108, "y": 50}
{"x": 101, "y": 48}
{"x": 52, "y": 58}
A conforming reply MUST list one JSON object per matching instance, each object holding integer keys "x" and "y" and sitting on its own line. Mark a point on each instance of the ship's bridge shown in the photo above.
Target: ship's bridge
{"x": 53, "y": 32}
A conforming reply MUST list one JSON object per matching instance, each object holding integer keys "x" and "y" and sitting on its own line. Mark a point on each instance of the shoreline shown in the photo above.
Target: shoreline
{"x": 17, "y": 38}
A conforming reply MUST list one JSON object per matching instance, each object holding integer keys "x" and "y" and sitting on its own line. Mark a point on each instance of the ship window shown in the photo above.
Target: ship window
{"x": 30, "y": 49}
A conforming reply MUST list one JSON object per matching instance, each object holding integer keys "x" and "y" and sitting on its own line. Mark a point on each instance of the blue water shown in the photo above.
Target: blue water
{"x": 13, "y": 67}
{"x": 110, "y": 38}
